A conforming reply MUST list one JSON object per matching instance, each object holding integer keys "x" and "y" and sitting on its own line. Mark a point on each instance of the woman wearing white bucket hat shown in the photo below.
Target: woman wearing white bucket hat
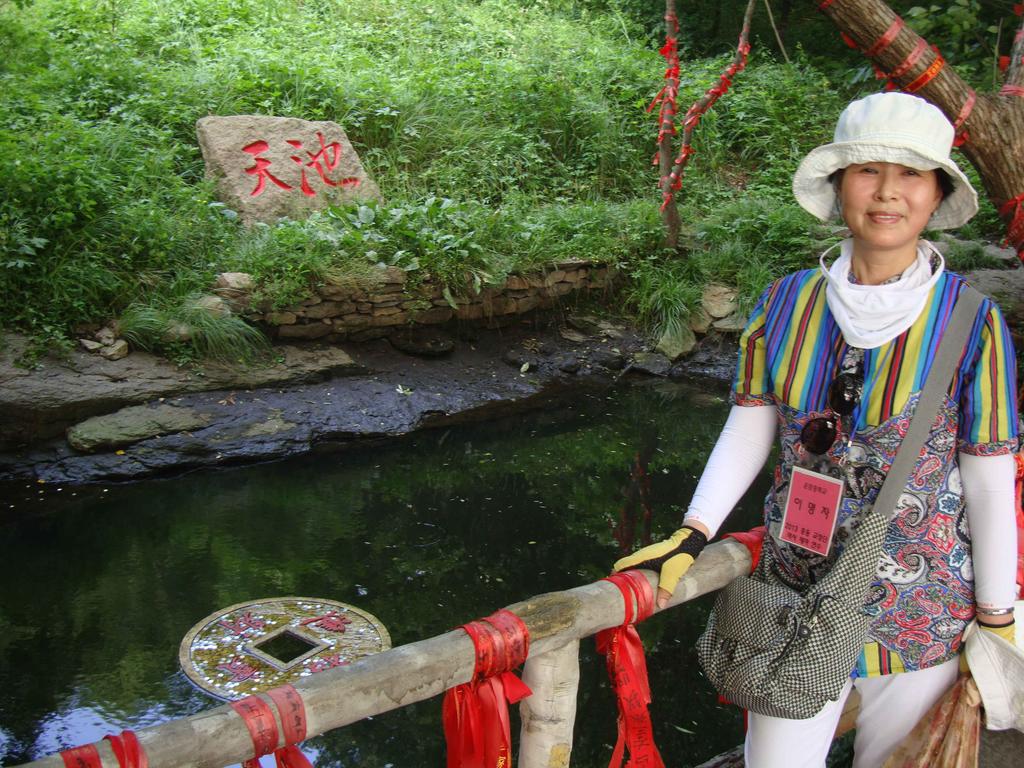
{"x": 833, "y": 360}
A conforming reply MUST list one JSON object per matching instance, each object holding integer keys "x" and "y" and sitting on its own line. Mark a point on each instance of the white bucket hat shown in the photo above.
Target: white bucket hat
{"x": 892, "y": 128}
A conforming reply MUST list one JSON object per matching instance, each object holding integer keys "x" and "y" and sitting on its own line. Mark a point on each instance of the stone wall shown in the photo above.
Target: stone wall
{"x": 375, "y": 305}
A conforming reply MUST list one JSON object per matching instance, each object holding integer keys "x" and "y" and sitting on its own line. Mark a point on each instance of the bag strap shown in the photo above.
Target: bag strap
{"x": 951, "y": 348}
{"x": 854, "y": 571}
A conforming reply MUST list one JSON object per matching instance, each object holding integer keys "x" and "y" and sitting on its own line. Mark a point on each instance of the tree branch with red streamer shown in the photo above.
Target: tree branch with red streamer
{"x": 667, "y": 117}
{"x": 1015, "y": 65}
{"x": 989, "y": 126}
{"x": 672, "y": 172}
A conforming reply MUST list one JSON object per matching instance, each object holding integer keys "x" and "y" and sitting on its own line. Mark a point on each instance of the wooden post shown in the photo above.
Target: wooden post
{"x": 549, "y": 714}
{"x": 413, "y": 672}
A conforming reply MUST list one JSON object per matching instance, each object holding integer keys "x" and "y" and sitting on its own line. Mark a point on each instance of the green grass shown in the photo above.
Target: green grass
{"x": 186, "y": 328}
{"x": 504, "y": 134}
{"x": 969, "y": 256}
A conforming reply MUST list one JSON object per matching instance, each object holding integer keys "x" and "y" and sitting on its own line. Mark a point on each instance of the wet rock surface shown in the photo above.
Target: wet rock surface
{"x": 131, "y": 424}
{"x": 316, "y": 396}
{"x": 61, "y": 391}
{"x": 353, "y": 398}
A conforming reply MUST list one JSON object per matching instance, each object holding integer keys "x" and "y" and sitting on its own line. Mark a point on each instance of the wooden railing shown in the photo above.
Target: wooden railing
{"x": 556, "y": 621}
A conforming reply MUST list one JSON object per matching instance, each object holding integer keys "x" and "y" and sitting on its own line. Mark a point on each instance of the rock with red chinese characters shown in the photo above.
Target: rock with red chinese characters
{"x": 267, "y": 168}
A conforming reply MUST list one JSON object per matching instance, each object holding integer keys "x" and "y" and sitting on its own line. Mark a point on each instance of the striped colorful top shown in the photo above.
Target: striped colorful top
{"x": 791, "y": 350}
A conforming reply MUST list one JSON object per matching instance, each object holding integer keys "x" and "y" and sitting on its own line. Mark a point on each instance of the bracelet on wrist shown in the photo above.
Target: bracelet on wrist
{"x": 993, "y": 611}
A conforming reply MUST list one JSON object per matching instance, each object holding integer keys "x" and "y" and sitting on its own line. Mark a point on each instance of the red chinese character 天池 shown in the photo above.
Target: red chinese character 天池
{"x": 259, "y": 170}
{"x": 329, "y": 156}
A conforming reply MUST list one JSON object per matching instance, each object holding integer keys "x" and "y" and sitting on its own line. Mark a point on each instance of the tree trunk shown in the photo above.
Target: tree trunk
{"x": 666, "y": 129}
{"x": 994, "y": 127}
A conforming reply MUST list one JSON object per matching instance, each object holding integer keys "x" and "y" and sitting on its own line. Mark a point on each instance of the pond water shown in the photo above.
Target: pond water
{"x": 101, "y": 583}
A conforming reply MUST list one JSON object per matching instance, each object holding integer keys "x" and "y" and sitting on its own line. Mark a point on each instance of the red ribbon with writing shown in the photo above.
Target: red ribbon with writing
{"x": 627, "y": 670}
{"x": 259, "y": 719}
{"x": 126, "y": 748}
{"x": 86, "y": 756}
{"x": 292, "y": 712}
{"x": 475, "y": 714}
{"x": 927, "y": 76}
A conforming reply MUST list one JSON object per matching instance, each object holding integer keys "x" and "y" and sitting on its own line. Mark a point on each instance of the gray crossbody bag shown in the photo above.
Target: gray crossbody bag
{"x": 777, "y": 651}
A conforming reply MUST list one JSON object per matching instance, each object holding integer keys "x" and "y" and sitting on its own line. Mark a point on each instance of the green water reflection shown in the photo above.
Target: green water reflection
{"x": 100, "y": 586}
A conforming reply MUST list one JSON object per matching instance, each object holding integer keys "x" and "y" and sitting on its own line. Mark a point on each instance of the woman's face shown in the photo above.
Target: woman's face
{"x": 887, "y": 206}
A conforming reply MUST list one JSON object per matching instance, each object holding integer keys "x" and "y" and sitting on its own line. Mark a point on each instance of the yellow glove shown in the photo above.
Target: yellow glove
{"x": 670, "y": 558}
{"x": 1005, "y": 631}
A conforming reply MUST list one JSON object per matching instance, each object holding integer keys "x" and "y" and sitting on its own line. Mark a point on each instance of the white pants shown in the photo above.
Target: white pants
{"x": 890, "y": 706}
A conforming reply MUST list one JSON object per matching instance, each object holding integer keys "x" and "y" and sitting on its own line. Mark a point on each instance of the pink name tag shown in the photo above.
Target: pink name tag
{"x": 809, "y": 519}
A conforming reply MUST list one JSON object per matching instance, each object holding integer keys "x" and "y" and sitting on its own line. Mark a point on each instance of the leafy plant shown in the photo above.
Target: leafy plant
{"x": 286, "y": 260}
{"x": 512, "y": 135}
{"x": 435, "y": 236}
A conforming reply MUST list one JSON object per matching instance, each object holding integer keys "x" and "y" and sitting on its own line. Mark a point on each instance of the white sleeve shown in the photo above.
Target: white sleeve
{"x": 735, "y": 461}
{"x": 989, "y": 495}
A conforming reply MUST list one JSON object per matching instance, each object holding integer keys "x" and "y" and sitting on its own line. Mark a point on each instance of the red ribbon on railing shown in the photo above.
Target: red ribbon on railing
{"x": 292, "y": 712}
{"x": 475, "y": 714}
{"x": 126, "y": 748}
{"x": 86, "y": 756}
{"x": 259, "y": 719}
{"x": 753, "y": 540}
{"x": 627, "y": 670}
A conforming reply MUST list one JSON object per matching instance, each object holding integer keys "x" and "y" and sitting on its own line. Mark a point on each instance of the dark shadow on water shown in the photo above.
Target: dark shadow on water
{"x": 444, "y": 527}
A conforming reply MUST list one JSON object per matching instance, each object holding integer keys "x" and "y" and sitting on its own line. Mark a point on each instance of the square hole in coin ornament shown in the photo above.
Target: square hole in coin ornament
{"x": 285, "y": 648}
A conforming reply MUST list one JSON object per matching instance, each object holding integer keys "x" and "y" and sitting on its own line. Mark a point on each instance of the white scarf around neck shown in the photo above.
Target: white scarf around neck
{"x": 871, "y": 315}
